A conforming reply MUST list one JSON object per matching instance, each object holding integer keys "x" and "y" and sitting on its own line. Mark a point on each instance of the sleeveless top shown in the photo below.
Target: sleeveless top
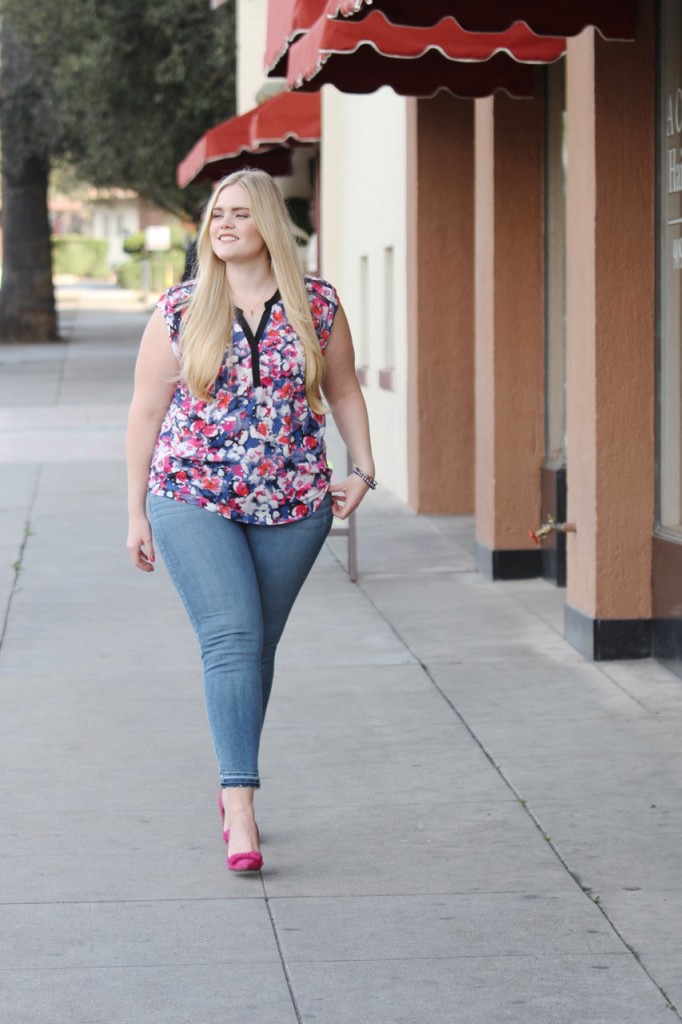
{"x": 256, "y": 452}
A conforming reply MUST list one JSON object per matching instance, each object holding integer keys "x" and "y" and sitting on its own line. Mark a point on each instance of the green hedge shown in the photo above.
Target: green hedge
{"x": 166, "y": 269}
{"x": 80, "y": 256}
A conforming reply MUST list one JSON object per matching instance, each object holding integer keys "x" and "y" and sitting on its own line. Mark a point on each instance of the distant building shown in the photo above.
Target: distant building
{"x": 111, "y": 214}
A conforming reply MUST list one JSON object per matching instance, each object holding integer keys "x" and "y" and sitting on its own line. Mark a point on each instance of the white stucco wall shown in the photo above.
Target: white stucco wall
{"x": 252, "y": 16}
{"x": 363, "y": 214}
{"x": 252, "y": 24}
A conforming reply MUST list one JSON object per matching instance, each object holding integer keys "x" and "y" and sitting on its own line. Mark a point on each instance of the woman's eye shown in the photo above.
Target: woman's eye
{"x": 241, "y": 216}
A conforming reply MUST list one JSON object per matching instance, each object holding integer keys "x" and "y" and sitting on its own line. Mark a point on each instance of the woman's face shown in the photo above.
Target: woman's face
{"x": 234, "y": 236}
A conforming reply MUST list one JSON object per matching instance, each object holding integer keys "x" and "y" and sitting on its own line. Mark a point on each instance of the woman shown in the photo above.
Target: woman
{"x": 226, "y": 460}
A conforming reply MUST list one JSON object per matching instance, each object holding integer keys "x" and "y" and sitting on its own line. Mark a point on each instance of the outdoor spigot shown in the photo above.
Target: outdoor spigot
{"x": 550, "y": 526}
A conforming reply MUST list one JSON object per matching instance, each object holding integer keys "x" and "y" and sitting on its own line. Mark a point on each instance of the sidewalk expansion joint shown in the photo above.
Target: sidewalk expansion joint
{"x": 287, "y": 976}
{"x": 589, "y": 893}
{"x": 524, "y": 804}
{"x": 19, "y": 562}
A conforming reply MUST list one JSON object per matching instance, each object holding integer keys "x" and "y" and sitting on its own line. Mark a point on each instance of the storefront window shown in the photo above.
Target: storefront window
{"x": 555, "y": 266}
{"x": 669, "y": 267}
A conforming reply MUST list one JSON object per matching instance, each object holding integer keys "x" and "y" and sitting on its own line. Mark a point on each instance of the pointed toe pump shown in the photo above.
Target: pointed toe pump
{"x": 245, "y": 862}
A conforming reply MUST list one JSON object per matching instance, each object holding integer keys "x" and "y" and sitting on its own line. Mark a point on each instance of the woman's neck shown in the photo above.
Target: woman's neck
{"x": 247, "y": 280}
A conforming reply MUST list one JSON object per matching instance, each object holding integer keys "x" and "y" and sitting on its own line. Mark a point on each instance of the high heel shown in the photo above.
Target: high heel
{"x": 226, "y": 831}
{"x": 250, "y": 861}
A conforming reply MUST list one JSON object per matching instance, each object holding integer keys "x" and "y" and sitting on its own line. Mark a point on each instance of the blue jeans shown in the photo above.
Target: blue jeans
{"x": 238, "y": 583}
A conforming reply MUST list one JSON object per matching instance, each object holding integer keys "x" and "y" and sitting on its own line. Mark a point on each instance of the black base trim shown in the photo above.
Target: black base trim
{"x": 508, "y": 565}
{"x": 607, "y": 639}
{"x": 554, "y": 562}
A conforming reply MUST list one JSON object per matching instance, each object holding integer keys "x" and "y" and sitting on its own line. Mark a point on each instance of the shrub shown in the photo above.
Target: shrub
{"x": 80, "y": 256}
{"x": 165, "y": 269}
{"x": 134, "y": 243}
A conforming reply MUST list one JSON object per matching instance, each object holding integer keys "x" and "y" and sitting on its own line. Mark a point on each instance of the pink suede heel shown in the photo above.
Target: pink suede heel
{"x": 250, "y": 861}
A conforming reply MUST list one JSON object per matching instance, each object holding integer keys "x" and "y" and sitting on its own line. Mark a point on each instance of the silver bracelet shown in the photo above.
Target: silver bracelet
{"x": 369, "y": 480}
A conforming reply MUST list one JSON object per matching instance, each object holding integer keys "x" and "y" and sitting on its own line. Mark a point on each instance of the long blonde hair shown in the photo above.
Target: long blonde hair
{"x": 209, "y": 315}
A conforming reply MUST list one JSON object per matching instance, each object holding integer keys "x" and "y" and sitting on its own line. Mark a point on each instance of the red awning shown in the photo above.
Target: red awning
{"x": 287, "y": 20}
{"x": 289, "y": 118}
{"x": 261, "y": 138}
{"x": 361, "y": 56}
{"x": 614, "y": 19}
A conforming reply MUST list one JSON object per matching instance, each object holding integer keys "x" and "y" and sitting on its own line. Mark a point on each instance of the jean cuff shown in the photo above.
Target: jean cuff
{"x": 239, "y": 780}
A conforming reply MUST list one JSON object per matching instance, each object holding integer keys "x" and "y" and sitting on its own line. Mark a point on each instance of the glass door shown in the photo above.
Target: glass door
{"x": 554, "y": 470}
{"x": 667, "y": 540}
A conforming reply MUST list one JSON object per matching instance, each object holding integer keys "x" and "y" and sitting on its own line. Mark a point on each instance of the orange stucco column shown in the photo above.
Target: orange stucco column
{"x": 610, "y": 341}
{"x": 509, "y": 329}
{"x": 440, "y": 228}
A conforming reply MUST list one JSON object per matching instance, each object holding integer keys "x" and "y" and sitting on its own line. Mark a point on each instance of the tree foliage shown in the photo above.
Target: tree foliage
{"x": 120, "y": 89}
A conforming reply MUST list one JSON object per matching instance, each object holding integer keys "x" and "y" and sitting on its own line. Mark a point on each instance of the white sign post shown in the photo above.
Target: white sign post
{"x": 157, "y": 238}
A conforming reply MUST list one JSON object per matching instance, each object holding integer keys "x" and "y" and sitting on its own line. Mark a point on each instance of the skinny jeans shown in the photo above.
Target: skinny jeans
{"x": 238, "y": 583}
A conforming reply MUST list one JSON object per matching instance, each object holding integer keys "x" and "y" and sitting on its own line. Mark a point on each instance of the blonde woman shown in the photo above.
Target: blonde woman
{"x": 226, "y": 460}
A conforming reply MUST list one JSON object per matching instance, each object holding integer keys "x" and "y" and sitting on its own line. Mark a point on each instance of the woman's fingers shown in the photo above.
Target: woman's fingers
{"x": 347, "y": 495}
{"x": 338, "y": 502}
{"x": 145, "y": 561}
{"x": 339, "y": 498}
{"x": 141, "y": 548}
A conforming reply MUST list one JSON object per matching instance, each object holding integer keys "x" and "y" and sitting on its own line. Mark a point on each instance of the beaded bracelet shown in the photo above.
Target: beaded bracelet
{"x": 369, "y": 480}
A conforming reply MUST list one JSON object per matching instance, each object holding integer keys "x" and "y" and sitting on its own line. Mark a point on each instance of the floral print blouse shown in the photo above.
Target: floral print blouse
{"x": 256, "y": 452}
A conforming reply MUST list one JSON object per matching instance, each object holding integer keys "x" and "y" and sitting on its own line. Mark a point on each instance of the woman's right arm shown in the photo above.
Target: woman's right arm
{"x": 154, "y": 371}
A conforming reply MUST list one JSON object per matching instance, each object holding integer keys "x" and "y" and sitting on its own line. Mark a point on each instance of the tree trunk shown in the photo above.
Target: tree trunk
{"x": 27, "y": 305}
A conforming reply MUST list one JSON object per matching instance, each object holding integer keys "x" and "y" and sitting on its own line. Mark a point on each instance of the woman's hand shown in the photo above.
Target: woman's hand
{"x": 347, "y": 495}
{"x": 139, "y": 543}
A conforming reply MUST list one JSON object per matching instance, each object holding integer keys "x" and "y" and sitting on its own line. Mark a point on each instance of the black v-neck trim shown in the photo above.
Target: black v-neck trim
{"x": 254, "y": 340}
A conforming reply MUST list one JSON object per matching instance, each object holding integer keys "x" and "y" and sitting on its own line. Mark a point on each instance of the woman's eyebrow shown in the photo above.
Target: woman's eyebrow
{"x": 233, "y": 209}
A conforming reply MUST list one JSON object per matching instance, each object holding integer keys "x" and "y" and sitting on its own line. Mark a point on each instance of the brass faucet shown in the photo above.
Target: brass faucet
{"x": 550, "y": 526}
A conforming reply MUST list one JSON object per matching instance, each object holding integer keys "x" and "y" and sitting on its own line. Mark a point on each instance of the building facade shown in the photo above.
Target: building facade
{"x": 512, "y": 272}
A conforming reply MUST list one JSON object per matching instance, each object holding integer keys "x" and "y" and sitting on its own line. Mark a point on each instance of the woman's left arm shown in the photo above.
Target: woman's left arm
{"x": 347, "y": 404}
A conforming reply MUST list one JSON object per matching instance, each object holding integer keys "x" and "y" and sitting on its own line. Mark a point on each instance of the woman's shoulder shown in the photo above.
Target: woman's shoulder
{"x": 318, "y": 288}
{"x": 176, "y": 298}
{"x": 324, "y": 303}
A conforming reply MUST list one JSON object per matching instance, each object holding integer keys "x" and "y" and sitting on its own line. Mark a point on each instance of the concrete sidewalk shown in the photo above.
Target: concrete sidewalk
{"x": 463, "y": 821}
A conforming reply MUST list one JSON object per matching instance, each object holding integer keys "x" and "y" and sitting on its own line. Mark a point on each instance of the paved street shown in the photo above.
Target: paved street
{"x": 463, "y": 822}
